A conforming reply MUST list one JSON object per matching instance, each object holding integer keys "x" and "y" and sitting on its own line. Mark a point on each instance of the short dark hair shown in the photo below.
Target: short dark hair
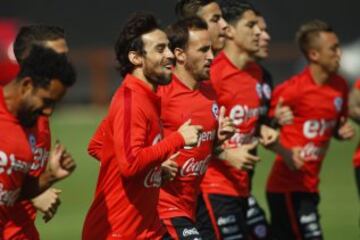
{"x": 178, "y": 33}
{"x": 233, "y": 10}
{"x": 308, "y": 32}
{"x": 35, "y": 34}
{"x": 138, "y": 24}
{"x": 44, "y": 65}
{"x": 190, "y": 8}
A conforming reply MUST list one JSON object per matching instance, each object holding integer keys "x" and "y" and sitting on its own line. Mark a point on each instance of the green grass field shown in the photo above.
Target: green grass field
{"x": 339, "y": 206}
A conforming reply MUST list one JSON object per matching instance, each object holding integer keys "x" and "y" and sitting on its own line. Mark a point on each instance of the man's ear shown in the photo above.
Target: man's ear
{"x": 313, "y": 55}
{"x": 26, "y": 85}
{"x": 135, "y": 58}
{"x": 230, "y": 31}
{"x": 180, "y": 55}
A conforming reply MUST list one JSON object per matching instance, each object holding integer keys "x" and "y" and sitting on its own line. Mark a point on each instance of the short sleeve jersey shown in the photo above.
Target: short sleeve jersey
{"x": 317, "y": 110}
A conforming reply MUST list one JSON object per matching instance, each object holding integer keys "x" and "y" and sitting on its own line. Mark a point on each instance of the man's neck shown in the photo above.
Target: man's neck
{"x": 139, "y": 74}
{"x": 185, "y": 77}
{"x": 319, "y": 75}
{"x": 237, "y": 56}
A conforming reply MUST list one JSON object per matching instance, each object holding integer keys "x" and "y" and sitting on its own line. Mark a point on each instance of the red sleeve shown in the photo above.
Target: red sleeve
{"x": 96, "y": 142}
{"x": 287, "y": 91}
{"x": 131, "y": 128}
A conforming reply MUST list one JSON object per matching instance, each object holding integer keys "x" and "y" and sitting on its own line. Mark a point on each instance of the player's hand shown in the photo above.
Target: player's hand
{"x": 346, "y": 131}
{"x": 190, "y": 133}
{"x": 169, "y": 168}
{"x": 293, "y": 158}
{"x": 240, "y": 156}
{"x": 226, "y": 127}
{"x": 283, "y": 114}
{"x": 47, "y": 203}
{"x": 61, "y": 164}
{"x": 268, "y": 135}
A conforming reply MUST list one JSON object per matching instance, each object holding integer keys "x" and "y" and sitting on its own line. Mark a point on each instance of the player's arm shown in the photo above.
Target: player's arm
{"x": 96, "y": 142}
{"x": 292, "y": 157}
{"x": 60, "y": 165}
{"x": 130, "y": 129}
{"x": 344, "y": 130}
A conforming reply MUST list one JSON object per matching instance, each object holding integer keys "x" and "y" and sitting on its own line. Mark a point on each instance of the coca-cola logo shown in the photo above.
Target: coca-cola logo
{"x": 194, "y": 168}
{"x": 311, "y": 152}
{"x": 153, "y": 178}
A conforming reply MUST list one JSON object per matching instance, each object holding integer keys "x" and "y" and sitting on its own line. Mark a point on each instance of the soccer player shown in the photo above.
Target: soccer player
{"x": 225, "y": 190}
{"x": 125, "y": 204}
{"x": 354, "y": 113}
{"x": 190, "y": 96}
{"x": 24, "y": 212}
{"x": 42, "y": 81}
{"x": 210, "y": 12}
{"x": 292, "y": 189}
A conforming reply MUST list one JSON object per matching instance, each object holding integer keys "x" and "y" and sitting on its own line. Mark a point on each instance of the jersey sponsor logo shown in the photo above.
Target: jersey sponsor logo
{"x": 9, "y": 164}
{"x": 153, "y": 178}
{"x": 195, "y": 168}
{"x": 215, "y": 110}
{"x": 316, "y": 128}
{"x": 259, "y": 90}
{"x": 242, "y": 113}
{"x": 204, "y": 137}
{"x": 243, "y": 138}
{"x": 338, "y": 102}
{"x": 266, "y": 90}
{"x": 7, "y": 197}
{"x": 190, "y": 232}
{"x": 311, "y": 152}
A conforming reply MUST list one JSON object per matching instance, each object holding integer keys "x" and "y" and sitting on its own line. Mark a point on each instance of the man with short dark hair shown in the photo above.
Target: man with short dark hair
{"x": 133, "y": 154}
{"x": 24, "y": 214}
{"x": 225, "y": 190}
{"x": 43, "y": 80}
{"x": 292, "y": 188}
{"x": 210, "y": 12}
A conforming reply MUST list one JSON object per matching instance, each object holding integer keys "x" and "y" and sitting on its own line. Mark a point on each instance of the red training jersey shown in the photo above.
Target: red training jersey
{"x": 240, "y": 93}
{"x": 23, "y": 213}
{"x": 16, "y": 159}
{"x": 317, "y": 110}
{"x": 178, "y": 104}
{"x": 127, "y": 192}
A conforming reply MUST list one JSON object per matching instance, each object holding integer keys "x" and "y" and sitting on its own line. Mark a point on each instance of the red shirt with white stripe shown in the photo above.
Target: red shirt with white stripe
{"x": 127, "y": 192}
{"x": 317, "y": 110}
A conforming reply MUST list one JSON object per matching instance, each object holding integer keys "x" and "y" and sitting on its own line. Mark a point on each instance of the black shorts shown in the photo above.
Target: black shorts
{"x": 221, "y": 217}
{"x": 357, "y": 179}
{"x": 257, "y": 224}
{"x": 181, "y": 228}
{"x": 294, "y": 215}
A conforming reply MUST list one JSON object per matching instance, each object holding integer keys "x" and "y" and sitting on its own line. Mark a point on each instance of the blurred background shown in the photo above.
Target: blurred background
{"x": 91, "y": 30}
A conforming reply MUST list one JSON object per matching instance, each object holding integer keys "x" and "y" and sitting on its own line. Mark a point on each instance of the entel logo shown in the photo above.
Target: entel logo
{"x": 15, "y": 165}
{"x": 240, "y": 114}
{"x": 315, "y": 128}
{"x": 195, "y": 168}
